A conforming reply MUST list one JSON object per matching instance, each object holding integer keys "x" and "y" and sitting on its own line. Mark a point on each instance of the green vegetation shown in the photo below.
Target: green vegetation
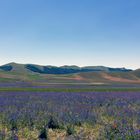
{"x": 70, "y": 130}
{"x": 70, "y": 89}
{"x": 43, "y": 134}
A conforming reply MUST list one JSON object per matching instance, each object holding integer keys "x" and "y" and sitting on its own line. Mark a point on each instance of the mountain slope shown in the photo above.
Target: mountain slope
{"x": 67, "y": 74}
{"x": 14, "y": 67}
{"x": 136, "y": 73}
{"x": 57, "y": 70}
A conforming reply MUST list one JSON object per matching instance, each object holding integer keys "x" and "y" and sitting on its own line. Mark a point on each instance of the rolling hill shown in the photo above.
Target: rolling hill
{"x": 14, "y": 67}
{"x": 37, "y": 74}
{"x": 136, "y": 73}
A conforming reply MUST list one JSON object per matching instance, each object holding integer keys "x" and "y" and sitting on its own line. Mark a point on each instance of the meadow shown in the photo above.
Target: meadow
{"x": 32, "y": 113}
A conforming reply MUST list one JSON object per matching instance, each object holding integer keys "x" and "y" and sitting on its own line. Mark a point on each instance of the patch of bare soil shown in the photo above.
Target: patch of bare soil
{"x": 6, "y": 76}
{"x": 117, "y": 79}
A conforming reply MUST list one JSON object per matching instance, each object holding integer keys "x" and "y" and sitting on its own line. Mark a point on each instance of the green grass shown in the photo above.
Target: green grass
{"x": 11, "y": 89}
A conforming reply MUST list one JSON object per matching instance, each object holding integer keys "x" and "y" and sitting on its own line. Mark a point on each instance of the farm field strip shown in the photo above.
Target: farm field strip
{"x": 38, "y": 89}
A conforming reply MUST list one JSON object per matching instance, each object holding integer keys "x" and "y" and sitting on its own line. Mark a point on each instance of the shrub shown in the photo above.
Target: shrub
{"x": 78, "y": 123}
{"x": 70, "y": 130}
{"x": 43, "y": 134}
{"x": 53, "y": 124}
{"x": 13, "y": 125}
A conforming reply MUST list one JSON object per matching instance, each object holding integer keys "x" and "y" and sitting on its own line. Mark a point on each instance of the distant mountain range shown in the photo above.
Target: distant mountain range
{"x": 58, "y": 70}
{"x": 68, "y": 74}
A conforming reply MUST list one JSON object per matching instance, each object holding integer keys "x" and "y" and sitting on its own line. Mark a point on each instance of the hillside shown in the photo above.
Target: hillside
{"x": 20, "y": 68}
{"x": 136, "y": 73}
{"x": 91, "y": 75}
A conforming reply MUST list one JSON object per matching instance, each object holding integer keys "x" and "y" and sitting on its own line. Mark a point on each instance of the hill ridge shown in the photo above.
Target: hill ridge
{"x": 65, "y": 69}
{"x": 90, "y": 75}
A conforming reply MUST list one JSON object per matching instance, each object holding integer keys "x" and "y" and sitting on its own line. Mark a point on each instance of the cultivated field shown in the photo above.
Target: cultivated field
{"x": 66, "y": 113}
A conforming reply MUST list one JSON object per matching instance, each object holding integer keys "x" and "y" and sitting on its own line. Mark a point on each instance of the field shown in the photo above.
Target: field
{"x": 69, "y": 113}
{"x": 69, "y": 69}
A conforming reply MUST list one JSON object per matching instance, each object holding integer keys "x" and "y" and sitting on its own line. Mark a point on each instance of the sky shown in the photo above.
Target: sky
{"x": 70, "y": 32}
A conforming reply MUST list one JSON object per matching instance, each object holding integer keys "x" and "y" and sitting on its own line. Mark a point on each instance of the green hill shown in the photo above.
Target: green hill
{"x": 68, "y": 74}
{"x": 57, "y": 70}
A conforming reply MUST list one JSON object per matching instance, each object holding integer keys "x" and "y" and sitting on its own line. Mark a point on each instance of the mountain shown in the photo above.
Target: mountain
{"x": 58, "y": 70}
{"x": 92, "y": 75}
{"x": 14, "y": 67}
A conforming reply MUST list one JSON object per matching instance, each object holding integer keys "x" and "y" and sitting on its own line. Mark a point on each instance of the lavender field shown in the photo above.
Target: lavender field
{"x": 69, "y": 69}
{"x": 101, "y": 115}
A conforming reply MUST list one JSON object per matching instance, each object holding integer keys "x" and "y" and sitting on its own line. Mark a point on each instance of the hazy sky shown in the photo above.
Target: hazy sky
{"x": 79, "y": 32}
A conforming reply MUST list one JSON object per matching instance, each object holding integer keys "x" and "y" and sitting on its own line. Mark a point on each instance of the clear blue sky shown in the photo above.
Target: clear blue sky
{"x": 79, "y": 32}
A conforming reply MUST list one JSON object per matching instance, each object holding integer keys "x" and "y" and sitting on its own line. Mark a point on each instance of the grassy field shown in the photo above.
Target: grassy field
{"x": 68, "y": 90}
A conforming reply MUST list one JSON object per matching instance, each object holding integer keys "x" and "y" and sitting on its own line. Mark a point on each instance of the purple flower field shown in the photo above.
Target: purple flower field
{"x": 117, "y": 112}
